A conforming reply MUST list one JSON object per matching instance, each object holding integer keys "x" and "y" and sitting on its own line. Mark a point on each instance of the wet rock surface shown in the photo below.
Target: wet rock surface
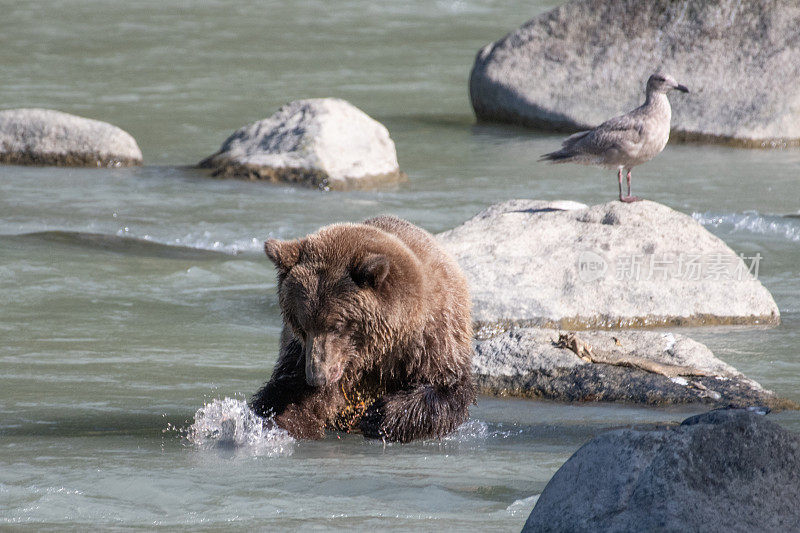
{"x": 726, "y": 470}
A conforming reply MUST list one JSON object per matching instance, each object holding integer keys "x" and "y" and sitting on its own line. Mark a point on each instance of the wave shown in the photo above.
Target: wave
{"x": 787, "y": 227}
{"x": 230, "y": 424}
{"x": 191, "y": 247}
{"x": 206, "y": 241}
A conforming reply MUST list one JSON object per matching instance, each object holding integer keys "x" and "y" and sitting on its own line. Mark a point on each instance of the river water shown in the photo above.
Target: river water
{"x": 111, "y": 347}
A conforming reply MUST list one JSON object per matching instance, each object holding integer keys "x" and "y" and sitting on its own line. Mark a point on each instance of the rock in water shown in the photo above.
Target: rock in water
{"x": 325, "y": 142}
{"x": 566, "y": 265}
{"x": 633, "y": 366}
{"x": 48, "y": 137}
{"x": 726, "y": 470}
{"x": 575, "y": 66}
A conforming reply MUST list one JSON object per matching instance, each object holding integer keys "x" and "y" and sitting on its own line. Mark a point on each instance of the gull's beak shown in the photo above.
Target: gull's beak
{"x": 682, "y": 88}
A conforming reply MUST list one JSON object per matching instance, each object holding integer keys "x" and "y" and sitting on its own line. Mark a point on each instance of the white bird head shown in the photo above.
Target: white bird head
{"x": 662, "y": 83}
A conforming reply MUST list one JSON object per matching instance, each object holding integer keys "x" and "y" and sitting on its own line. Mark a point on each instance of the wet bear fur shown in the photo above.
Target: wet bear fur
{"x": 377, "y": 334}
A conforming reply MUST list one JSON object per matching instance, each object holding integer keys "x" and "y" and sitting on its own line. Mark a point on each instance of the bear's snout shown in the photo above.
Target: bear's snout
{"x": 315, "y": 379}
{"x": 320, "y": 370}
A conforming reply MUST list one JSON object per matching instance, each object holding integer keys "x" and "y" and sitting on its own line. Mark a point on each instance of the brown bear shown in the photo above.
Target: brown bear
{"x": 377, "y": 334}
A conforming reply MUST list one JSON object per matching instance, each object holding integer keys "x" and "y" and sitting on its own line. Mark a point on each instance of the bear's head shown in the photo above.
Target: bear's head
{"x": 347, "y": 293}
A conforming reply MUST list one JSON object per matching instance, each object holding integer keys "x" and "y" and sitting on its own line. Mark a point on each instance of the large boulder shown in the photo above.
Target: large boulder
{"x": 569, "y": 266}
{"x": 325, "y": 142}
{"x": 586, "y": 61}
{"x": 633, "y": 366}
{"x": 727, "y": 470}
{"x": 48, "y": 137}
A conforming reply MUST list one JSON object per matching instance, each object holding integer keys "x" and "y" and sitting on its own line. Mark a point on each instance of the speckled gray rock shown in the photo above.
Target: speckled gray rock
{"x": 565, "y": 265}
{"x": 324, "y": 142}
{"x": 586, "y": 61}
{"x": 727, "y": 470}
{"x": 48, "y": 137}
{"x": 640, "y": 366}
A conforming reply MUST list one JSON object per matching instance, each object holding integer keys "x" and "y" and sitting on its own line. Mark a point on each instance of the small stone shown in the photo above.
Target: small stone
{"x": 48, "y": 137}
{"x": 325, "y": 143}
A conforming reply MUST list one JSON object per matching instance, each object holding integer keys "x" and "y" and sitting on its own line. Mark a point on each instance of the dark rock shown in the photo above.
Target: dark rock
{"x": 727, "y": 470}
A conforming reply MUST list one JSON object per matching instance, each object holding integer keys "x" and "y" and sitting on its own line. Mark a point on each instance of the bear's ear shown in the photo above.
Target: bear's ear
{"x": 371, "y": 271}
{"x": 284, "y": 254}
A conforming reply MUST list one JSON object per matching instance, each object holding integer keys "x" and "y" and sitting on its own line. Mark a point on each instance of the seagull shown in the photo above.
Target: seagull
{"x": 627, "y": 140}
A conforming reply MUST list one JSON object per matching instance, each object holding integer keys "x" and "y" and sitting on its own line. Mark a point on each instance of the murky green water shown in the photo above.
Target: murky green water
{"x": 107, "y": 346}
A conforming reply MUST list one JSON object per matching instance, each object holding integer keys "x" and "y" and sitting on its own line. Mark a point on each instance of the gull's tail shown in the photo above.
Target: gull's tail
{"x": 568, "y": 149}
{"x": 561, "y": 156}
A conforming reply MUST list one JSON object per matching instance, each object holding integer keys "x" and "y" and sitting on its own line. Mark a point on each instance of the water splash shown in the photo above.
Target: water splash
{"x": 752, "y": 222}
{"x": 474, "y": 433}
{"x": 469, "y": 432}
{"x": 229, "y": 423}
{"x": 523, "y": 507}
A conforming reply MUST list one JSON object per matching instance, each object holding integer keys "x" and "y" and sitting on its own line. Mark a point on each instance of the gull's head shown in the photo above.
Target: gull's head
{"x": 662, "y": 83}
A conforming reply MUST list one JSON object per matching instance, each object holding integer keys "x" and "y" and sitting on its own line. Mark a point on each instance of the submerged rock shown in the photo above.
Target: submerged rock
{"x": 586, "y": 61}
{"x": 324, "y": 142}
{"x": 48, "y": 137}
{"x": 727, "y": 470}
{"x": 566, "y": 265}
{"x": 633, "y": 366}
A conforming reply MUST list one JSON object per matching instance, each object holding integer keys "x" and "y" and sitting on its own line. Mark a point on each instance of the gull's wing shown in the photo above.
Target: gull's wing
{"x": 619, "y": 134}
{"x": 603, "y": 144}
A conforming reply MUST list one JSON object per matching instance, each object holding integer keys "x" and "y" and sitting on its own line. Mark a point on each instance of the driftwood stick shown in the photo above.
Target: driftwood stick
{"x": 586, "y": 352}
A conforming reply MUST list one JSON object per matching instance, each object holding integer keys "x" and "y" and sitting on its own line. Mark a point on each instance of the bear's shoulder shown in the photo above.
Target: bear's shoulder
{"x": 395, "y": 225}
{"x": 421, "y": 243}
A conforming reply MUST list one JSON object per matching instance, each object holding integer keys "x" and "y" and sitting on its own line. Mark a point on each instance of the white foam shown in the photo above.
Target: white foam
{"x": 752, "y": 222}
{"x": 229, "y": 423}
{"x": 201, "y": 241}
{"x": 523, "y": 506}
{"x": 206, "y": 241}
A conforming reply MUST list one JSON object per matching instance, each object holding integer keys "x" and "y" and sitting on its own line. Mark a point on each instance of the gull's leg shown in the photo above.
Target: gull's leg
{"x": 629, "y": 182}
{"x": 629, "y": 198}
